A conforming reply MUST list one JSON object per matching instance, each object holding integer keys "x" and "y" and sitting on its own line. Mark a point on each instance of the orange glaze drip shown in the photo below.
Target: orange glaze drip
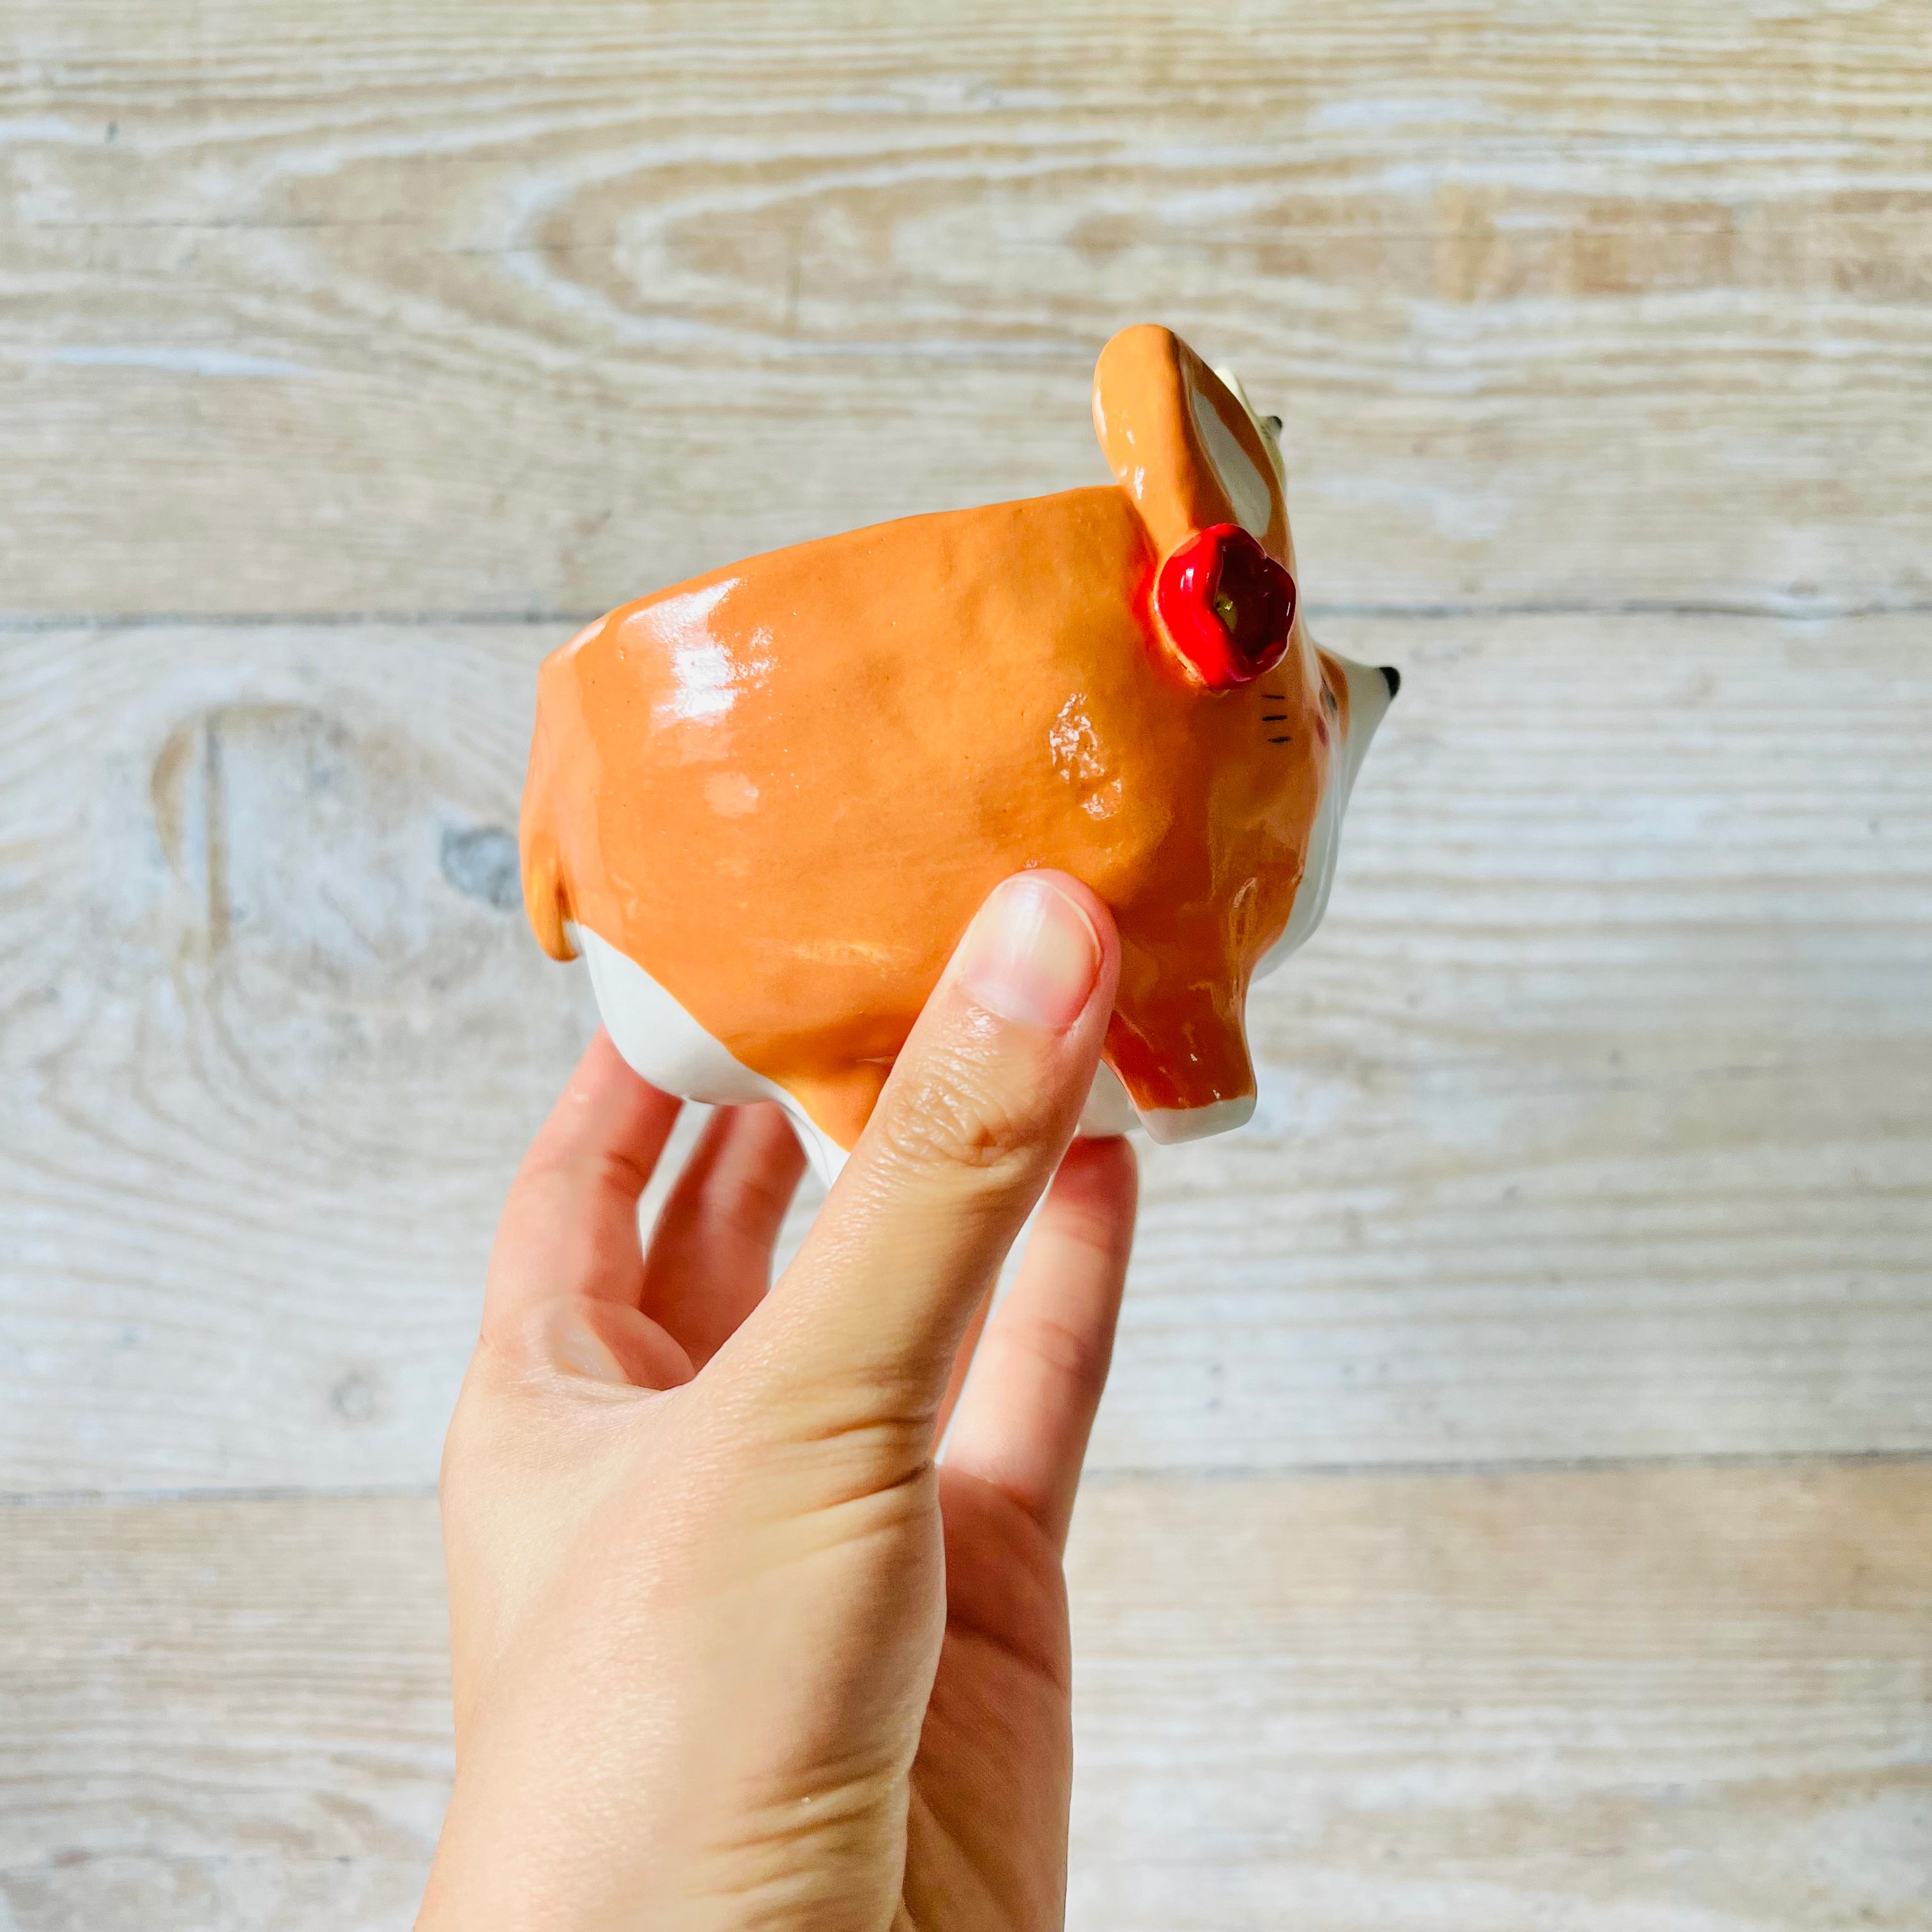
{"x": 783, "y": 788}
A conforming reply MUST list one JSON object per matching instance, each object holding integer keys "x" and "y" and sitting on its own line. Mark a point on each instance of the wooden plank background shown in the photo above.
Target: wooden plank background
{"x": 1624, "y": 1699}
{"x": 1511, "y": 1508}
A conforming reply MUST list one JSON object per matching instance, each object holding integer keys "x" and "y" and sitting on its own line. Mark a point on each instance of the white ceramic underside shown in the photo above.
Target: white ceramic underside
{"x": 669, "y": 1048}
{"x": 661, "y": 1041}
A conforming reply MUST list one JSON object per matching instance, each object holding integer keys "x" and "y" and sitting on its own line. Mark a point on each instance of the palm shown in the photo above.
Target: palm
{"x": 992, "y": 1776}
{"x": 987, "y": 1830}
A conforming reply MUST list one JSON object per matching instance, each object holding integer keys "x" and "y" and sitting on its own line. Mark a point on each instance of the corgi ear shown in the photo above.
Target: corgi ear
{"x": 1183, "y": 445}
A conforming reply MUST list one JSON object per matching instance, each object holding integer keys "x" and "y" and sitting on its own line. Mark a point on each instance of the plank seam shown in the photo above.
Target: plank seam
{"x": 61, "y": 1499}
{"x": 1527, "y": 1465}
{"x": 1542, "y": 1466}
{"x": 1780, "y": 612}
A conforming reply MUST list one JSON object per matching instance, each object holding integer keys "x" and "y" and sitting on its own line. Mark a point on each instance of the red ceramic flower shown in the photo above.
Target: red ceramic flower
{"x": 1226, "y": 606}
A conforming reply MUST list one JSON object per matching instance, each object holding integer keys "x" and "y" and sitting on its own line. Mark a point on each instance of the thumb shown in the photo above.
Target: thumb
{"x": 862, "y": 1328}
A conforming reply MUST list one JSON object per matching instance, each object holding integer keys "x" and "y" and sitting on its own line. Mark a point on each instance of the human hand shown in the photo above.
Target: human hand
{"x": 728, "y": 1648}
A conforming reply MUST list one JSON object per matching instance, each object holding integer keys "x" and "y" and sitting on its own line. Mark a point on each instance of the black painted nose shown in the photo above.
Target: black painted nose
{"x": 1392, "y": 678}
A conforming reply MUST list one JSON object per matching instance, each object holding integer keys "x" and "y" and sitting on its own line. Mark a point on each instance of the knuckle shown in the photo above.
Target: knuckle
{"x": 844, "y": 1437}
{"x": 953, "y": 1117}
{"x": 754, "y": 1201}
{"x": 1081, "y": 1357}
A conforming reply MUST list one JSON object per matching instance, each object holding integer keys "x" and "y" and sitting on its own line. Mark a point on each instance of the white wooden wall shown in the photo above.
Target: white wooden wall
{"x": 1513, "y": 1507}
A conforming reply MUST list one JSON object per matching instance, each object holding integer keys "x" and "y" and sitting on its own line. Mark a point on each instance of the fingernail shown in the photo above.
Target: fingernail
{"x": 576, "y": 1347}
{"x": 1031, "y": 954}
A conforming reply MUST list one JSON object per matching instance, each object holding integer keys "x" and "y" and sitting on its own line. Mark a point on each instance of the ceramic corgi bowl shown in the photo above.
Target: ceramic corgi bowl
{"x": 764, "y": 804}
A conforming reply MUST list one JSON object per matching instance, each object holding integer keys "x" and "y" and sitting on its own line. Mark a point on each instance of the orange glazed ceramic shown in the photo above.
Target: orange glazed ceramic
{"x": 765, "y": 803}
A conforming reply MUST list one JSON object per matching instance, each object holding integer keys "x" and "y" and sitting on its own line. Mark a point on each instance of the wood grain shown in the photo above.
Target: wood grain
{"x": 221, "y": 1716}
{"x": 1597, "y": 1122}
{"x": 451, "y": 305}
{"x": 1684, "y": 1701}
